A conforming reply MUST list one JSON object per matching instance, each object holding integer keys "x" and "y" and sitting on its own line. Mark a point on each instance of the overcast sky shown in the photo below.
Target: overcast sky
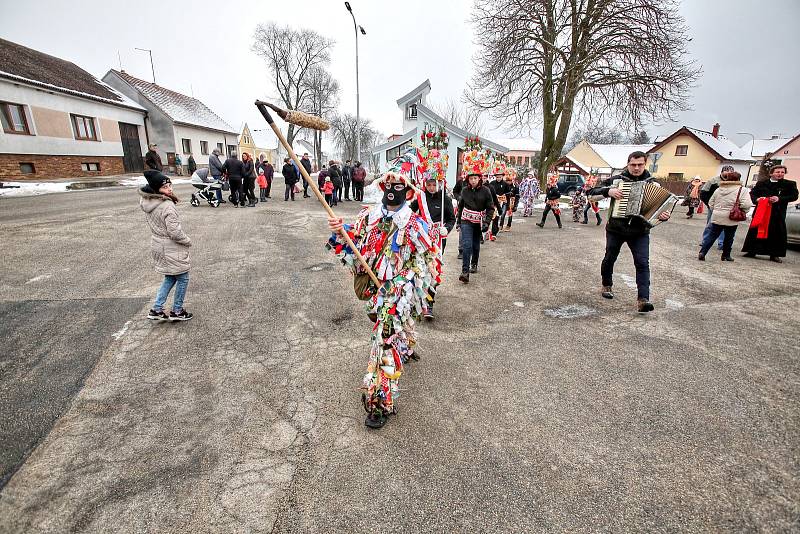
{"x": 750, "y": 81}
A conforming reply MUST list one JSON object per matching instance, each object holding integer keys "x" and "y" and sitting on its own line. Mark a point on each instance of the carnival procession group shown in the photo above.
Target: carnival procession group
{"x": 402, "y": 239}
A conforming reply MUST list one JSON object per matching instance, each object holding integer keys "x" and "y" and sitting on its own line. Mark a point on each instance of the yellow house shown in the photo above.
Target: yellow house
{"x": 604, "y": 160}
{"x": 257, "y": 144}
{"x": 690, "y": 152}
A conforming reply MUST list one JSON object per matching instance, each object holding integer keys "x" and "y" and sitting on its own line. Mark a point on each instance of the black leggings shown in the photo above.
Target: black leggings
{"x": 548, "y": 209}
{"x": 249, "y": 191}
{"x": 236, "y": 190}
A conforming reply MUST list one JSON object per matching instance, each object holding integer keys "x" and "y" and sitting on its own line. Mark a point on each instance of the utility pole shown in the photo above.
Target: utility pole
{"x": 356, "y": 27}
{"x": 151, "y": 61}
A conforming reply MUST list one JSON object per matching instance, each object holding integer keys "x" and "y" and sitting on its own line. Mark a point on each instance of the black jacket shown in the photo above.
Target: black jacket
{"x": 192, "y": 164}
{"x": 435, "y": 207}
{"x": 347, "y": 173}
{"x": 234, "y": 167}
{"x": 478, "y": 199}
{"x": 553, "y": 193}
{"x": 306, "y": 163}
{"x": 336, "y": 176}
{"x": 289, "y": 174}
{"x": 629, "y": 226}
{"x": 458, "y": 188}
{"x": 248, "y": 169}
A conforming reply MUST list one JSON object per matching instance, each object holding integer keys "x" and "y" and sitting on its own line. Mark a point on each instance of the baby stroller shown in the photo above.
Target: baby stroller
{"x": 208, "y": 189}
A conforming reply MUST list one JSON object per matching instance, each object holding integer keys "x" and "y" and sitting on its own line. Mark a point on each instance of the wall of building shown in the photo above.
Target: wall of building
{"x": 586, "y": 156}
{"x": 195, "y": 135}
{"x": 698, "y": 161}
{"x": 56, "y": 166}
{"x": 51, "y": 126}
{"x": 516, "y": 154}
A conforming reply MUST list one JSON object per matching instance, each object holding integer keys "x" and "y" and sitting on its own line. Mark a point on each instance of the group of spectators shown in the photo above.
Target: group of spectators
{"x": 341, "y": 181}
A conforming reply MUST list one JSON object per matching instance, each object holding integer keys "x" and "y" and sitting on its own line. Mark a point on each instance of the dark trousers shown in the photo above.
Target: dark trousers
{"x": 289, "y": 192}
{"x": 269, "y": 186}
{"x": 502, "y": 217}
{"x": 337, "y": 194}
{"x": 236, "y": 190}
{"x": 249, "y": 191}
{"x": 640, "y": 249}
{"x": 355, "y": 190}
{"x": 358, "y": 191}
{"x": 548, "y": 209}
{"x": 470, "y": 244}
{"x": 714, "y": 232}
{"x": 305, "y": 188}
{"x": 346, "y": 190}
{"x": 263, "y": 196}
{"x": 586, "y": 214}
{"x": 329, "y": 199}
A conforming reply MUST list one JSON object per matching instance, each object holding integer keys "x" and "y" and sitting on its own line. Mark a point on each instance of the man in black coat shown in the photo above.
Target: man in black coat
{"x": 775, "y": 194}
{"x": 347, "y": 176}
{"x": 336, "y": 178}
{"x": 152, "y": 160}
{"x": 632, "y": 231}
{"x": 289, "y": 178}
{"x": 306, "y": 163}
{"x": 234, "y": 168}
{"x": 475, "y": 210}
{"x": 501, "y": 191}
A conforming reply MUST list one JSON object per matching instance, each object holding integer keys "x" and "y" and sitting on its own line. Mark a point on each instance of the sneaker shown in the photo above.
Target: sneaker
{"x": 607, "y": 293}
{"x": 559, "y": 225}
{"x": 473, "y": 268}
{"x": 644, "y": 306}
{"x": 540, "y": 224}
{"x": 157, "y": 315}
{"x": 464, "y": 278}
{"x": 701, "y": 257}
{"x": 428, "y": 313}
{"x": 182, "y": 315}
{"x": 775, "y": 259}
{"x": 584, "y": 222}
{"x": 726, "y": 258}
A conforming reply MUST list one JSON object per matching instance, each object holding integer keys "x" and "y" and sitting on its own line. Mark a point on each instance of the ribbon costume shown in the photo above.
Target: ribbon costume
{"x": 395, "y": 242}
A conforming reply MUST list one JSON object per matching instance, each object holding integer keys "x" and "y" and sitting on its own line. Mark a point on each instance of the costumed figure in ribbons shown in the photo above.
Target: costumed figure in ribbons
{"x": 529, "y": 191}
{"x": 476, "y": 207}
{"x": 591, "y": 202}
{"x": 396, "y": 244}
{"x": 551, "y": 203}
{"x": 432, "y": 203}
{"x": 767, "y": 234}
{"x": 513, "y": 198}
{"x": 502, "y": 191}
{"x": 578, "y": 203}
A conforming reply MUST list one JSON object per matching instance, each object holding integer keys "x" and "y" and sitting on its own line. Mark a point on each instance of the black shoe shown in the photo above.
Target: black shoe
{"x": 464, "y": 278}
{"x": 473, "y": 269}
{"x": 223, "y": 201}
{"x": 251, "y": 205}
{"x": 375, "y": 420}
{"x": 306, "y": 196}
{"x": 460, "y": 255}
{"x": 559, "y": 225}
{"x": 540, "y": 224}
{"x": 182, "y": 315}
{"x": 607, "y": 293}
{"x": 775, "y": 259}
{"x": 701, "y": 257}
{"x": 726, "y": 258}
{"x": 644, "y": 306}
{"x": 157, "y": 315}
{"x": 585, "y": 222}
{"x": 414, "y": 355}
{"x": 599, "y": 220}
{"x": 428, "y": 313}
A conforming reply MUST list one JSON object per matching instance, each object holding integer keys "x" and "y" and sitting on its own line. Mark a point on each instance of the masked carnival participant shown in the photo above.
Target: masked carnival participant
{"x": 475, "y": 209}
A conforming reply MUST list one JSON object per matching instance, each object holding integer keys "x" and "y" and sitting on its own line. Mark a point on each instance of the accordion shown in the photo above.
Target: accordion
{"x": 644, "y": 200}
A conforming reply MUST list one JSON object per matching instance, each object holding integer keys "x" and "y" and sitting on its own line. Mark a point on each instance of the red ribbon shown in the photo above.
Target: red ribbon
{"x": 761, "y": 217}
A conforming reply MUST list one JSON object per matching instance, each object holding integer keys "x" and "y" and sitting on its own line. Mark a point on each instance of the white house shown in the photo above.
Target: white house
{"x": 59, "y": 121}
{"x": 758, "y": 148}
{"x": 416, "y": 116}
{"x": 176, "y": 123}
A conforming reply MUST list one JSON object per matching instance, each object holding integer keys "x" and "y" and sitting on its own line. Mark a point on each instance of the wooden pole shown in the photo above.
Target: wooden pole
{"x": 313, "y": 185}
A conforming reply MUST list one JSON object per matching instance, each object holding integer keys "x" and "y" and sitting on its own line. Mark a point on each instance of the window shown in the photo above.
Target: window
{"x": 84, "y": 128}
{"x": 231, "y": 149}
{"x": 220, "y": 148}
{"x": 187, "y": 146}
{"x": 204, "y": 147}
{"x": 27, "y": 168}
{"x": 681, "y": 150}
{"x": 412, "y": 111}
{"x": 676, "y": 176}
{"x": 527, "y": 161}
{"x": 14, "y": 119}
{"x": 90, "y": 166}
{"x": 395, "y": 152}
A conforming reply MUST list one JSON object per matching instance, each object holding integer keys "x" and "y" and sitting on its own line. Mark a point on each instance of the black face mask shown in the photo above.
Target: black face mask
{"x": 395, "y": 194}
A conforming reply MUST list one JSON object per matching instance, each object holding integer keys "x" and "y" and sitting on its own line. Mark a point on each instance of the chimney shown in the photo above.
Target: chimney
{"x": 775, "y": 136}
{"x": 715, "y": 130}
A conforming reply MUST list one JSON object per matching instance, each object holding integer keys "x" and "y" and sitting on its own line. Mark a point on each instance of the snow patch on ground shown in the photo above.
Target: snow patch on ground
{"x": 39, "y": 278}
{"x": 372, "y": 194}
{"x": 121, "y": 332}
{"x": 674, "y": 304}
{"x": 571, "y": 311}
{"x": 519, "y": 304}
{"x": 629, "y": 280}
{"x": 28, "y": 189}
{"x": 140, "y": 181}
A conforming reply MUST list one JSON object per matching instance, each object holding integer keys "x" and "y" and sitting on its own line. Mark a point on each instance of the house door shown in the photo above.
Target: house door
{"x": 131, "y": 147}
{"x": 171, "y": 161}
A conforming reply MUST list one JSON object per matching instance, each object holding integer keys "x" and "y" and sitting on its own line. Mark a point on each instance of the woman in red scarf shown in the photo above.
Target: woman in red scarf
{"x": 767, "y": 234}
{"x": 692, "y": 196}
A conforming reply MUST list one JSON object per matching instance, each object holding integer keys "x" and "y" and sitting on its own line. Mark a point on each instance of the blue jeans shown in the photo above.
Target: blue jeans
{"x": 707, "y": 231}
{"x": 470, "y": 243}
{"x": 180, "y": 282}
{"x": 640, "y": 249}
{"x": 218, "y": 179}
{"x": 725, "y": 233}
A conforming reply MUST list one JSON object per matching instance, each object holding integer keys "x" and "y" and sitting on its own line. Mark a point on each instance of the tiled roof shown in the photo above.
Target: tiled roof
{"x": 723, "y": 146}
{"x": 762, "y": 146}
{"x": 21, "y": 63}
{"x": 179, "y": 107}
{"x": 617, "y": 155}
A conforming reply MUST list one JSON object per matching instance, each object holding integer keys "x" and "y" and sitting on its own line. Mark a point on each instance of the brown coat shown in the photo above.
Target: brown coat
{"x": 169, "y": 245}
{"x": 723, "y": 199}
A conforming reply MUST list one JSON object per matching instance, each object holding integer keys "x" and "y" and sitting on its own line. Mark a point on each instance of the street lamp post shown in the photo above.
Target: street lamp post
{"x": 356, "y": 28}
{"x": 151, "y": 61}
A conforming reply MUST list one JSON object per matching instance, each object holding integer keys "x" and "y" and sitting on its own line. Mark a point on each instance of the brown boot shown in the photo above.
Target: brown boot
{"x": 607, "y": 293}
{"x": 644, "y": 306}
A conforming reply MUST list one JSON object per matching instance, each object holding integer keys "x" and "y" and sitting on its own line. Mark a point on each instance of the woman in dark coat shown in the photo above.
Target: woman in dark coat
{"x": 773, "y": 196}
{"x": 248, "y": 180}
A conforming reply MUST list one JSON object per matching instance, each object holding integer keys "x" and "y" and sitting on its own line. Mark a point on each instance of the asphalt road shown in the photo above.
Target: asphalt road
{"x": 537, "y": 405}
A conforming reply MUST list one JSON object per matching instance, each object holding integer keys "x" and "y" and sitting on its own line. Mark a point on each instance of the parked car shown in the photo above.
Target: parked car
{"x": 569, "y": 183}
{"x": 793, "y": 224}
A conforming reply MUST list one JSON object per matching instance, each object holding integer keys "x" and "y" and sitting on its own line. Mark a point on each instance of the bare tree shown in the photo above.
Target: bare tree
{"x": 322, "y": 100}
{"x": 547, "y": 61}
{"x": 344, "y": 129}
{"x": 595, "y": 133}
{"x": 639, "y": 138}
{"x": 290, "y": 54}
{"x": 467, "y": 119}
